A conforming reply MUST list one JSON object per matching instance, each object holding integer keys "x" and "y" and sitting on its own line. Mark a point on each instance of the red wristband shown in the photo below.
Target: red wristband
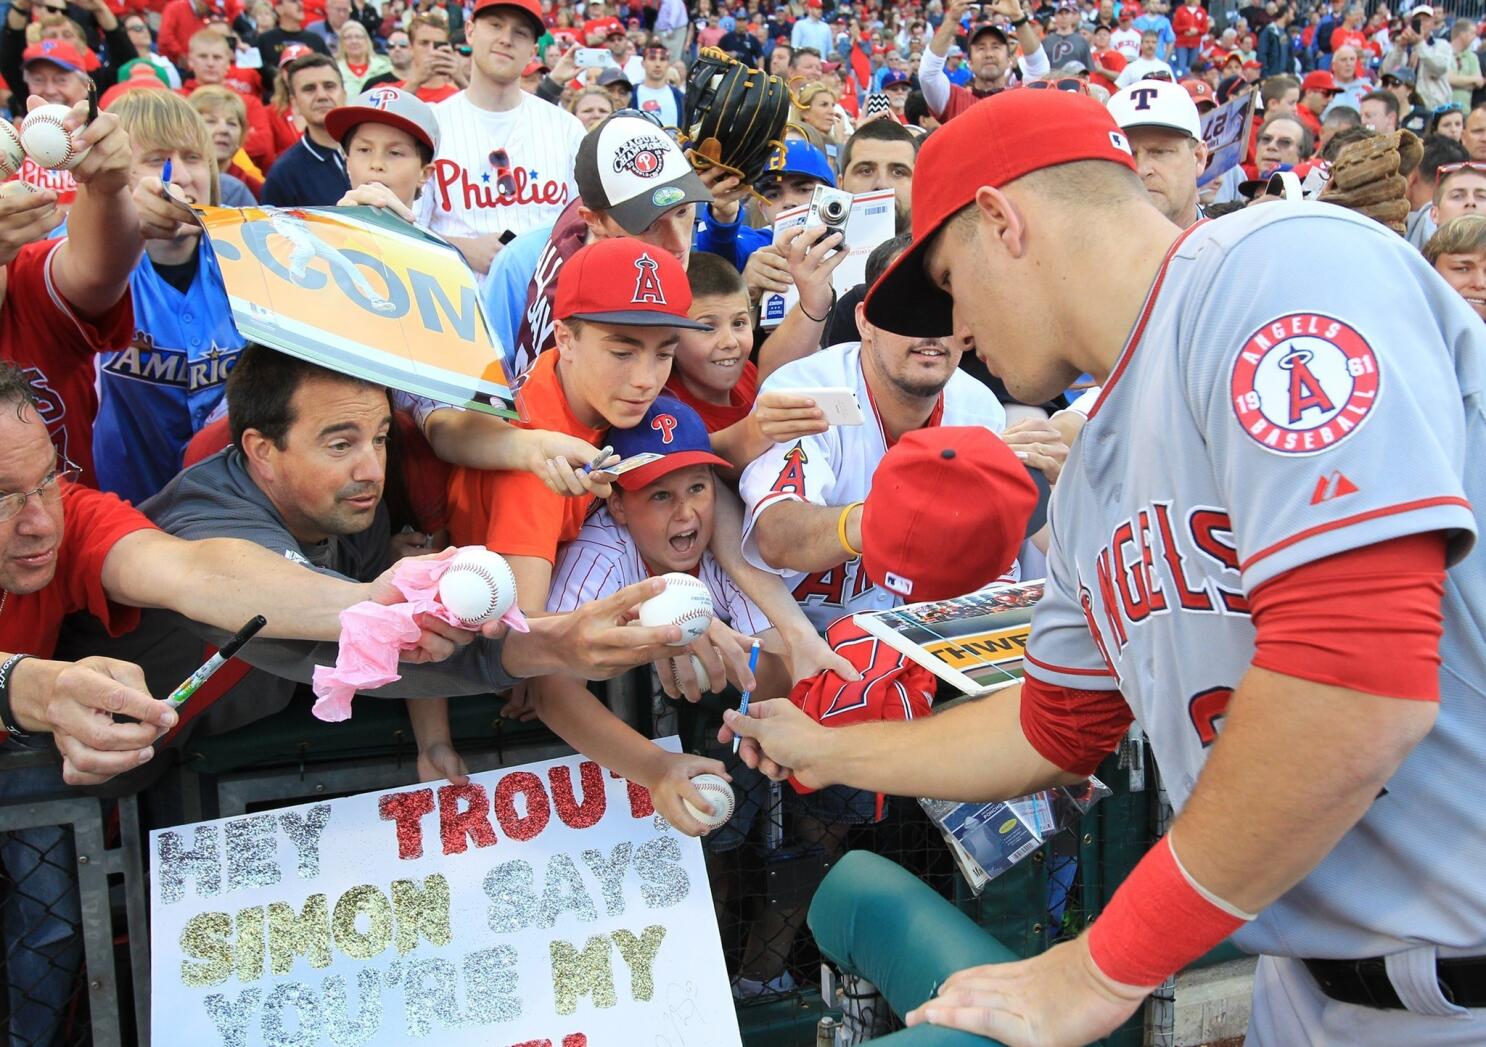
{"x": 1157, "y": 922}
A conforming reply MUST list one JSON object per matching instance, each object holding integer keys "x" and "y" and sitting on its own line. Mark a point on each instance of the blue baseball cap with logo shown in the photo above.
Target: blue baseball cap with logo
{"x": 670, "y": 429}
{"x": 896, "y": 78}
{"x": 802, "y": 158}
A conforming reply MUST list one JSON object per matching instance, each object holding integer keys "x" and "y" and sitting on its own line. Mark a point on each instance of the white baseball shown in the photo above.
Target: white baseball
{"x": 16, "y": 187}
{"x": 685, "y": 602}
{"x": 704, "y": 682}
{"x": 12, "y": 155}
{"x": 47, "y": 142}
{"x": 478, "y": 586}
{"x": 719, "y": 794}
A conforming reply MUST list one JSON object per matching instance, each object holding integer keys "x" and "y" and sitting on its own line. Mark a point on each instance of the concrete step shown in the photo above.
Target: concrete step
{"x": 1212, "y": 1003}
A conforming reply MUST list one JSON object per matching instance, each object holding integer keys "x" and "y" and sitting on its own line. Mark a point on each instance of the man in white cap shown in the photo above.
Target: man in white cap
{"x": 1431, "y": 60}
{"x": 1161, "y": 123}
{"x": 633, "y": 180}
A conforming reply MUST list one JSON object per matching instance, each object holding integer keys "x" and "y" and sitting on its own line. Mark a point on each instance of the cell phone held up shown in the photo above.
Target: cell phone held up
{"x": 877, "y": 102}
{"x": 593, "y": 57}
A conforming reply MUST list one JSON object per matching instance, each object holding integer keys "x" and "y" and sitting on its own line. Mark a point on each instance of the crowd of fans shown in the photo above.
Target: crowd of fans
{"x": 165, "y": 481}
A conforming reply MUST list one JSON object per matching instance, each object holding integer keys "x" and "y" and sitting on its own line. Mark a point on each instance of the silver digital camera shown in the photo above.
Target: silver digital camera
{"x": 830, "y": 208}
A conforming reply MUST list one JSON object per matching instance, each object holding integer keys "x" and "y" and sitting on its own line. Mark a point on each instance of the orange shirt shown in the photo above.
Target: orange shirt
{"x": 513, "y": 513}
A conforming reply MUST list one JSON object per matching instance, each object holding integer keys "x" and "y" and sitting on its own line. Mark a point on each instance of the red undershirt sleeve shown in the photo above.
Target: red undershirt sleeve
{"x": 1073, "y": 729}
{"x": 1368, "y": 619}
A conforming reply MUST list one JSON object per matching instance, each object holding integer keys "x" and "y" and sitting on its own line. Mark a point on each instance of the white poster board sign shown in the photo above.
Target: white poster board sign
{"x": 872, "y": 220}
{"x": 545, "y": 905}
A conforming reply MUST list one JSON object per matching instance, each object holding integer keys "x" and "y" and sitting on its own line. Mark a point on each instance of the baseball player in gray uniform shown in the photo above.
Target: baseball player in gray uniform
{"x": 1258, "y": 552}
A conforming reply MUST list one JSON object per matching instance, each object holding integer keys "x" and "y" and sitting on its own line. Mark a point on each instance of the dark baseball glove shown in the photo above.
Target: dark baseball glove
{"x": 1371, "y": 177}
{"x": 735, "y": 116}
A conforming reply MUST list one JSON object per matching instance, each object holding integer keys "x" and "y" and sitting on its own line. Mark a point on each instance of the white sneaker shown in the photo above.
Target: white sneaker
{"x": 748, "y": 989}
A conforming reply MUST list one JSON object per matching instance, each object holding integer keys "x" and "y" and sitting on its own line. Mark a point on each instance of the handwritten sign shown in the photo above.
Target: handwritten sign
{"x": 1226, "y": 132}
{"x": 539, "y": 906}
{"x": 360, "y": 291}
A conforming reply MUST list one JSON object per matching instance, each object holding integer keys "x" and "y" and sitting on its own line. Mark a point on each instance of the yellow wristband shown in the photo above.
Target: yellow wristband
{"x": 841, "y": 530}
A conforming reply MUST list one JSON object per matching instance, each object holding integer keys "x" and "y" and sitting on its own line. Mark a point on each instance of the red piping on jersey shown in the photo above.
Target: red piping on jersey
{"x": 1026, "y": 657}
{"x": 1140, "y": 321}
{"x": 1371, "y": 514}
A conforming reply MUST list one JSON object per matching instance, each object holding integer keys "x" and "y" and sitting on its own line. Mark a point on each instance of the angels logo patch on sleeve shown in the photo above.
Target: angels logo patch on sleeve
{"x": 1303, "y": 383}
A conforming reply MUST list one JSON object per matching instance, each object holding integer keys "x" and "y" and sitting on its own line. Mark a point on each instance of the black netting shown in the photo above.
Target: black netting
{"x": 40, "y": 917}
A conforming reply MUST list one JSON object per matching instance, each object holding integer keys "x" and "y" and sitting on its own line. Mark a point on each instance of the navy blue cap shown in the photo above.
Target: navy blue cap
{"x": 894, "y": 77}
{"x": 800, "y": 157}
{"x": 670, "y": 428}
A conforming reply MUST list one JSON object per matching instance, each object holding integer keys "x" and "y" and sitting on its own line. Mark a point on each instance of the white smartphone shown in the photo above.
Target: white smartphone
{"x": 839, "y": 404}
{"x": 593, "y": 57}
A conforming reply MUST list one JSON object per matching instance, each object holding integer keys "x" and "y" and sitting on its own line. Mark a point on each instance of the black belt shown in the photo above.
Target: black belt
{"x": 1365, "y": 982}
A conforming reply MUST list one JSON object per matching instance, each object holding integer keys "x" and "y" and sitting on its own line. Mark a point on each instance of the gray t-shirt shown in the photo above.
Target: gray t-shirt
{"x": 1062, "y": 49}
{"x": 216, "y": 498}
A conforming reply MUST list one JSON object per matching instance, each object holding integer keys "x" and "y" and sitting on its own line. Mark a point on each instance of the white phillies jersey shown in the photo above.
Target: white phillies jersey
{"x": 499, "y": 171}
{"x": 835, "y": 468}
{"x": 1257, "y": 422}
{"x": 603, "y": 559}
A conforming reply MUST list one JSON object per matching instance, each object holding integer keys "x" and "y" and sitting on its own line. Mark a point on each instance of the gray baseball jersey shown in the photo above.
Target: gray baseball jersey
{"x": 1260, "y": 419}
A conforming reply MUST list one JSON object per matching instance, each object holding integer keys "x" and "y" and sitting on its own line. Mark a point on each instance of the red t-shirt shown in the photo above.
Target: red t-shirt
{"x": 1112, "y": 60}
{"x": 92, "y": 522}
{"x": 40, "y": 333}
{"x": 513, "y": 513}
{"x": 1190, "y": 25}
{"x": 715, "y": 417}
{"x": 433, "y": 94}
{"x": 1343, "y": 36}
{"x": 597, "y": 30}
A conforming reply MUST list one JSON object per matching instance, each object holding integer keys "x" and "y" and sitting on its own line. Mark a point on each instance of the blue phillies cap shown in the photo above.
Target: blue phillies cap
{"x": 894, "y": 77}
{"x": 802, "y": 158}
{"x": 671, "y": 429}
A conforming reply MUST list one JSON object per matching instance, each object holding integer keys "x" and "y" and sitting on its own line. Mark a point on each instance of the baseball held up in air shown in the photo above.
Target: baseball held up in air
{"x": 684, "y": 602}
{"x": 47, "y": 142}
{"x": 478, "y": 586}
{"x": 719, "y": 794}
{"x": 12, "y": 154}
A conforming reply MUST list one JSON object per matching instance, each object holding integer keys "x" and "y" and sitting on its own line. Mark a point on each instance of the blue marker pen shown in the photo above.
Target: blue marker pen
{"x": 743, "y": 705}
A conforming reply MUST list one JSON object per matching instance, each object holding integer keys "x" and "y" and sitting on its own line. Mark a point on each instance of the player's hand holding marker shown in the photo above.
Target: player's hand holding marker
{"x": 779, "y": 740}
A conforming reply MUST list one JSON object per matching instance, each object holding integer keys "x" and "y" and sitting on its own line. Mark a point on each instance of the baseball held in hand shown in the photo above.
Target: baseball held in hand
{"x": 12, "y": 154}
{"x": 719, "y": 794}
{"x": 478, "y": 586}
{"x": 684, "y": 602}
{"x": 47, "y": 142}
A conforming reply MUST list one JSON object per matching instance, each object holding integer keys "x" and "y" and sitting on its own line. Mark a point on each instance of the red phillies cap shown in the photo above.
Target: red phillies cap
{"x": 58, "y": 52}
{"x": 947, "y": 512}
{"x": 625, "y": 281}
{"x": 531, "y": 8}
{"x": 293, "y": 51}
{"x": 1319, "y": 80}
{"x": 994, "y": 142}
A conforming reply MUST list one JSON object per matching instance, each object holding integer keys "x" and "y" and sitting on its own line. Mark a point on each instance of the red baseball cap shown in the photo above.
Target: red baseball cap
{"x": 1319, "y": 80}
{"x": 58, "y": 52}
{"x": 947, "y": 512}
{"x": 1200, "y": 90}
{"x": 293, "y": 51}
{"x": 531, "y": 8}
{"x": 627, "y": 282}
{"x": 996, "y": 141}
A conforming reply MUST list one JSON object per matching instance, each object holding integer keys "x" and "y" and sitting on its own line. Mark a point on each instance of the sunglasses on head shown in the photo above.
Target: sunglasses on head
{"x": 1464, "y": 165}
{"x": 1065, "y": 84}
{"x": 657, "y": 52}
